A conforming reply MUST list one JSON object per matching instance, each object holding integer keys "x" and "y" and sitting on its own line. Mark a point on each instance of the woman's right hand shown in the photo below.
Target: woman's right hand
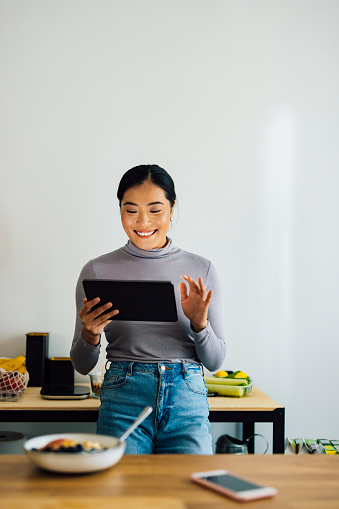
{"x": 93, "y": 323}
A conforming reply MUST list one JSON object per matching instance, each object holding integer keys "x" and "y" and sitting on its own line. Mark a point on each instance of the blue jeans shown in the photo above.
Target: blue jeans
{"x": 177, "y": 393}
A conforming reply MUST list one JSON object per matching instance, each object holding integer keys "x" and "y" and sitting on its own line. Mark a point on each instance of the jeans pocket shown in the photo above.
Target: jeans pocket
{"x": 195, "y": 383}
{"x": 114, "y": 379}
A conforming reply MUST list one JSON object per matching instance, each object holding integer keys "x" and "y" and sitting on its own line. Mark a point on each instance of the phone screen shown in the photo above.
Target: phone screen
{"x": 232, "y": 483}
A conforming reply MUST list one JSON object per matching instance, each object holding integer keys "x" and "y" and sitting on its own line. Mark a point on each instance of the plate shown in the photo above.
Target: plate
{"x": 73, "y": 462}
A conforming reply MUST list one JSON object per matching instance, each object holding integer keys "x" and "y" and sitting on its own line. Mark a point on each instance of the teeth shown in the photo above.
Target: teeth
{"x": 145, "y": 234}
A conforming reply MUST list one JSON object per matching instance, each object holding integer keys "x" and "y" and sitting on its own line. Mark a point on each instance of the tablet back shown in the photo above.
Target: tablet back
{"x": 150, "y": 301}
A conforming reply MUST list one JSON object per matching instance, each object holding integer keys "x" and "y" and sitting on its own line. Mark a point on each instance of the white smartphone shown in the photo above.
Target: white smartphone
{"x": 233, "y": 486}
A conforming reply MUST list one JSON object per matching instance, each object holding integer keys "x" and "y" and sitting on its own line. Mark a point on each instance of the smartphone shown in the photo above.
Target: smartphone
{"x": 233, "y": 486}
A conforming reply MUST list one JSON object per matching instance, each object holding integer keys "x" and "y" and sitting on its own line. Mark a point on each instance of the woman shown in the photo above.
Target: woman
{"x": 153, "y": 363}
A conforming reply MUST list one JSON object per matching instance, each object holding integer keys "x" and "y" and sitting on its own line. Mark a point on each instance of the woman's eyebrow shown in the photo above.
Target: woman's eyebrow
{"x": 136, "y": 205}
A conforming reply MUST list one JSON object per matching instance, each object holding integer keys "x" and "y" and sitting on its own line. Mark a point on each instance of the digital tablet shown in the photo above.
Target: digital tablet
{"x": 144, "y": 301}
{"x": 64, "y": 392}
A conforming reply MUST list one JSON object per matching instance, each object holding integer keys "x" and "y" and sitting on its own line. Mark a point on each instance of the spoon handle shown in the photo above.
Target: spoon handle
{"x": 146, "y": 411}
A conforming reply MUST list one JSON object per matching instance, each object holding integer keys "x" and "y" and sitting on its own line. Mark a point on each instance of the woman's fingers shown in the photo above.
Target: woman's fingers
{"x": 106, "y": 316}
{"x": 192, "y": 284}
{"x": 183, "y": 291}
{"x": 198, "y": 288}
{"x": 202, "y": 288}
{"x": 209, "y": 297}
{"x": 93, "y": 319}
{"x": 94, "y": 313}
{"x": 88, "y": 305}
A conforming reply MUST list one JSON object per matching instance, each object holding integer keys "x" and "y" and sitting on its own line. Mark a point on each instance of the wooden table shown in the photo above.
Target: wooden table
{"x": 163, "y": 482}
{"x": 255, "y": 407}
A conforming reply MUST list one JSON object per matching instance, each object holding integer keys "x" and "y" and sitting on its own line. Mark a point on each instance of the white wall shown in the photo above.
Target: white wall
{"x": 239, "y": 102}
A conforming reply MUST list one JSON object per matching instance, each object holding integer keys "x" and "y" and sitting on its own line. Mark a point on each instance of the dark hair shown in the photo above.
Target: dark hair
{"x": 151, "y": 172}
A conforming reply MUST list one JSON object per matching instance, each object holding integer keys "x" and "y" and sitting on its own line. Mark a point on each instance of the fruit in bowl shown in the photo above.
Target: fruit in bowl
{"x": 74, "y": 453}
{"x": 229, "y": 383}
{"x": 71, "y": 446}
{"x": 232, "y": 375}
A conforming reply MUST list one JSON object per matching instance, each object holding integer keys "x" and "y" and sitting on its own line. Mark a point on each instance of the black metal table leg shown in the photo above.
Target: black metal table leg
{"x": 278, "y": 431}
{"x": 247, "y": 432}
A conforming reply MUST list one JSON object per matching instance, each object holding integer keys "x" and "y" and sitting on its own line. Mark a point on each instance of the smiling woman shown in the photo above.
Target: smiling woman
{"x": 153, "y": 364}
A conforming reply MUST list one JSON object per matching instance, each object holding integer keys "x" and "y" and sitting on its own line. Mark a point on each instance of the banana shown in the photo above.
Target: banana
{"x": 15, "y": 364}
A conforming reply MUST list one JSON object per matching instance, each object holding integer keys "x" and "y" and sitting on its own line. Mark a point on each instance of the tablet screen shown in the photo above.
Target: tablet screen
{"x": 150, "y": 301}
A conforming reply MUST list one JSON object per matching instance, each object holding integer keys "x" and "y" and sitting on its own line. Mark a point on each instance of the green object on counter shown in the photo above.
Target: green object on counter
{"x": 234, "y": 391}
{"x": 225, "y": 381}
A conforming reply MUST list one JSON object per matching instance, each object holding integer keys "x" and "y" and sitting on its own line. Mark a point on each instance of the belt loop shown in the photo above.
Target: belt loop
{"x": 130, "y": 369}
{"x": 184, "y": 370}
{"x": 202, "y": 369}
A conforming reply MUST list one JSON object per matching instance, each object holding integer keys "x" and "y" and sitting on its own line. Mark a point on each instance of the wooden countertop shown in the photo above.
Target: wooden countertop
{"x": 163, "y": 482}
{"x": 256, "y": 400}
{"x": 31, "y": 400}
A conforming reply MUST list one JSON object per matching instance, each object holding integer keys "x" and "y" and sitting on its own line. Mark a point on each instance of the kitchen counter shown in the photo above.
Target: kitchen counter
{"x": 255, "y": 407}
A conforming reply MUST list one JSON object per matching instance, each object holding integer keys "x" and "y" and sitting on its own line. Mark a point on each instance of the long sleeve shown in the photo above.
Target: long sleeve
{"x": 83, "y": 355}
{"x": 209, "y": 343}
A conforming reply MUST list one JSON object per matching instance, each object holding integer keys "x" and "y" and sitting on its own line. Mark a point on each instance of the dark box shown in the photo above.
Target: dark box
{"x": 59, "y": 371}
{"x": 36, "y": 356}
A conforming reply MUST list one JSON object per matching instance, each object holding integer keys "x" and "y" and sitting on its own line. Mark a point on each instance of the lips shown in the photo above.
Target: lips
{"x": 144, "y": 234}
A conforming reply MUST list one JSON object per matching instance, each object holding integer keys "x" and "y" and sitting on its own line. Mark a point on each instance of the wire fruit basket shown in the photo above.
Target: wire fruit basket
{"x": 12, "y": 384}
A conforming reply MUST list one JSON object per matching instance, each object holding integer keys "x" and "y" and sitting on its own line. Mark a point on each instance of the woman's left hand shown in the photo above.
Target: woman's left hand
{"x": 195, "y": 303}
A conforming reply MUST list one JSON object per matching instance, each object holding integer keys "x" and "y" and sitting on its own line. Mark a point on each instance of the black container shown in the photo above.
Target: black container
{"x": 59, "y": 371}
{"x": 36, "y": 357}
{"x": 230, "y": 445}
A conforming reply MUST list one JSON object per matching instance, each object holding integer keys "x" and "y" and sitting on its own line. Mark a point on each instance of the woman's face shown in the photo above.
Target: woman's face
{"x": 146, "y": 215}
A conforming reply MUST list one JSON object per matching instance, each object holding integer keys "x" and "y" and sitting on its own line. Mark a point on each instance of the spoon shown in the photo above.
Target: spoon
{"x": 146, "y": 411}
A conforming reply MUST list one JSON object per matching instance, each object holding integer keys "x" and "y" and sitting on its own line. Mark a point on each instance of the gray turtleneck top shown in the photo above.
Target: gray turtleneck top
{"x": 153, "y": 341}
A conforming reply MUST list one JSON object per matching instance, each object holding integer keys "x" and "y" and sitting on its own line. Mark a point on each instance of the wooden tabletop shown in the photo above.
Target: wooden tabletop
{"x": 163, "y": 482}
{"x": 256, "y": 400}
{"x": 31, "y": 400}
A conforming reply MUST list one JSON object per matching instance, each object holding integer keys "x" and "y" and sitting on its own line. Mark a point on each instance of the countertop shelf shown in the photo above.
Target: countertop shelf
{"x": 255, "y": 407}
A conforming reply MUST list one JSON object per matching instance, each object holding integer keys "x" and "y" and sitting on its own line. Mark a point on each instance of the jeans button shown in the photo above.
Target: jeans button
{"x": 163, "y": 368}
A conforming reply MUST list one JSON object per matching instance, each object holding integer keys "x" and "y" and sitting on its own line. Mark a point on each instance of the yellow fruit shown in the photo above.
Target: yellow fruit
{"x": 241, "y": 374}
{"x": 13, "y": 364}
{"x": 221, "y": 374}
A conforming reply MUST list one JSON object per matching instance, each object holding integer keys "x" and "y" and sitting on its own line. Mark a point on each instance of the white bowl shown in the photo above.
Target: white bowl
{"x": 73, "y": 462}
